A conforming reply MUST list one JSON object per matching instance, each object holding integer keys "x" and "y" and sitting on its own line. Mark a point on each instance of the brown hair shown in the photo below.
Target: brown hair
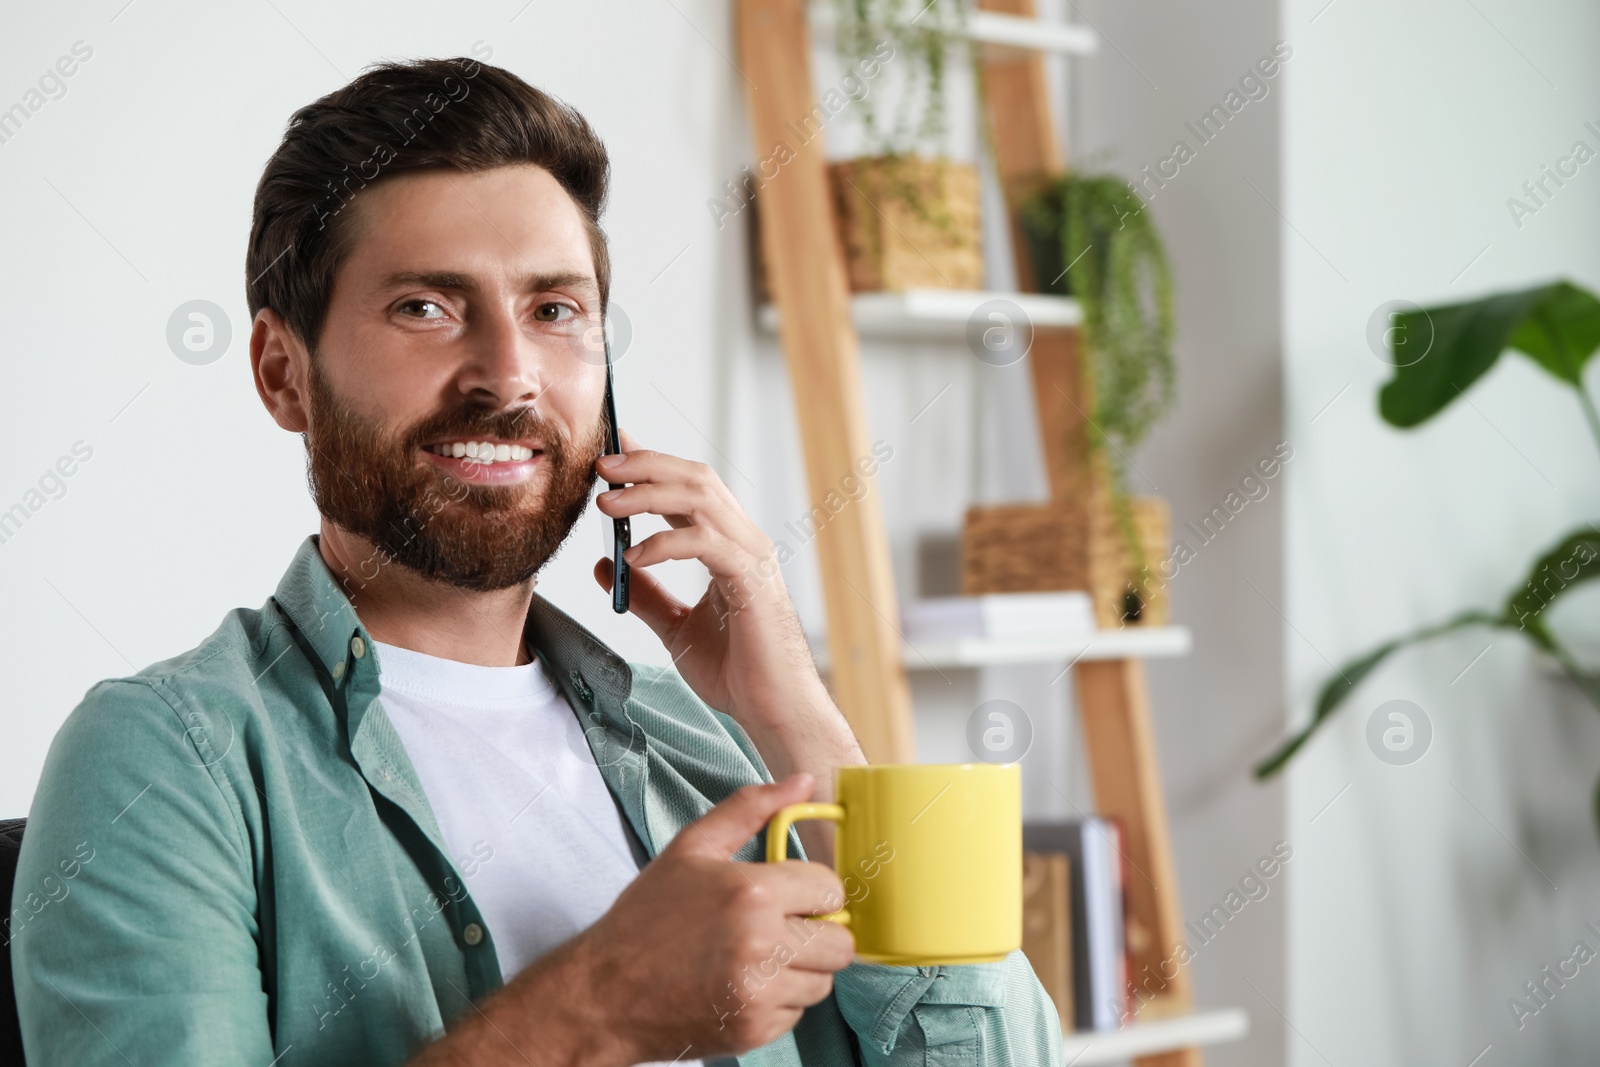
{"x": 397, "y": 117}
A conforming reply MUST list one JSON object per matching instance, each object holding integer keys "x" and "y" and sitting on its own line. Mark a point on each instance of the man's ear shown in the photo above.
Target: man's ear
{"x": 281, "y": 365}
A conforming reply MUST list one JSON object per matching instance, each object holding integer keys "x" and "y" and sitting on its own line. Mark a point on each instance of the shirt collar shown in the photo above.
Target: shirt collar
{"x": 320, "y": 607}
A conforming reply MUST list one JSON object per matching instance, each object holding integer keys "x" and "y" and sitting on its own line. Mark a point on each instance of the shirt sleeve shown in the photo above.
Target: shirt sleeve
{"x": 995, "y": 1014}
{"x": 134, "y": 926}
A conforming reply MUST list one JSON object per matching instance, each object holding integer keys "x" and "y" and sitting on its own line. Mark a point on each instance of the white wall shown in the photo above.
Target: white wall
{"x": 1424, "y": 896}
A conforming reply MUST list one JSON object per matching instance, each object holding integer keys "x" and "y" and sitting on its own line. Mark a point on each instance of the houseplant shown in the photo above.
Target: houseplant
{"x": 1556, "y": 325}
{"x": 1088, "y": 236}
{"x": 922, "y": 37}
{"x": 908, "y": 215}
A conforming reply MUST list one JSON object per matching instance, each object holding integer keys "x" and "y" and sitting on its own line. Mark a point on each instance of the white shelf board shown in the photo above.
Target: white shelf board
{"x": 1012, "y": 32}
{"x": 1084, "y": 1048}
{"x": 1000, "y": 32}
{"x": 939, "y": 314}
{"x": 1155, "y": 642}
{"x": 1131, "y": 643}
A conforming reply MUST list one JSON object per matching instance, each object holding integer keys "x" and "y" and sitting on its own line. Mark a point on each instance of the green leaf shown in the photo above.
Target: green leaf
{"x": 1445, "y": 349}
{"x": 1573, "y": 560}
{"x": 1346, "y": 678}
{"x": 1561, "y": 332}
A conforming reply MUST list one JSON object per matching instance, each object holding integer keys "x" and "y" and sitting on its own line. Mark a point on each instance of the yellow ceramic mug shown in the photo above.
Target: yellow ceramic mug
{"x": 930, "y": 856}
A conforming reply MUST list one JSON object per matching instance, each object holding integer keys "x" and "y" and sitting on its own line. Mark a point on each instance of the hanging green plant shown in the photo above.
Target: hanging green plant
{"x": 924, "y": 37}
{"x": 1089, "y": 237}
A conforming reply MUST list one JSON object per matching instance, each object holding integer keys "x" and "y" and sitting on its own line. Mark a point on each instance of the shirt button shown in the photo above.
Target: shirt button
{"x": 338, "y": 670}
{"x": 473, "y": 934}
{"x": 358, "y": 647}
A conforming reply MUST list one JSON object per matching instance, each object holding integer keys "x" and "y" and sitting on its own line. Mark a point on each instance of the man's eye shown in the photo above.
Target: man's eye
{"x": 421, "y": 309}
{"x": 552, "y": 312}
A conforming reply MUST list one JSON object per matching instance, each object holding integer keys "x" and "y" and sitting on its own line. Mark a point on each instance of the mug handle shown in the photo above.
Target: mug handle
{"x": 778, "y": 838}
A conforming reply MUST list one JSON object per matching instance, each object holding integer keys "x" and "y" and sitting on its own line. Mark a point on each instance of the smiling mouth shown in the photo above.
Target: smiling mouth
{"x": 484, "y": 451}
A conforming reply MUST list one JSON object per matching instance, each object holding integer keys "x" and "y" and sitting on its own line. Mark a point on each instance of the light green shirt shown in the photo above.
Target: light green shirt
{"x": 230, "y": 860}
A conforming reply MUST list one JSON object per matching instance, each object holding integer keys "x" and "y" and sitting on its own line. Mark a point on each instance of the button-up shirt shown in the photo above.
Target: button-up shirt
{"x": 230, "y": 860}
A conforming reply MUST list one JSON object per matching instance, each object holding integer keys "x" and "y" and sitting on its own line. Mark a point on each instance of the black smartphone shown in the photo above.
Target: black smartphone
{"x": 621, "y": 533}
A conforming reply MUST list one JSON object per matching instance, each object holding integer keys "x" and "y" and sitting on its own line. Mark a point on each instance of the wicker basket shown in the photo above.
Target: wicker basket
{"x": 1024, "y": 548}
{"x": 1018, "y": 548}
{"x": 908, "y": 223}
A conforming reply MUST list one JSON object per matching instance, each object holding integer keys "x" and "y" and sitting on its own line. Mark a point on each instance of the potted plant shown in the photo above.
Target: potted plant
{"x": 1438, "y": 354}
{"x": 908, "y": 215}
{"x": 1089, "y": 237}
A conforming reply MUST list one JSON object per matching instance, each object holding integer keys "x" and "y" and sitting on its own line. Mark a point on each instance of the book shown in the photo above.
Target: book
{"x": 1047, "y": 926}
{"x": 1136, "y": 938}
{"x": 997, "y": 615}
{"x": 1095, "y": 898}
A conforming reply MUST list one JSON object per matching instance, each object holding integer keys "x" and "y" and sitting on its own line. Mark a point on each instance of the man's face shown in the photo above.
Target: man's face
{"x": 465, "y": 320}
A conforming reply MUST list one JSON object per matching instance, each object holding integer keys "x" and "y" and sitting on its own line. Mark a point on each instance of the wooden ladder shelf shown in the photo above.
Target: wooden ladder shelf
{"x": 806, "y": 273}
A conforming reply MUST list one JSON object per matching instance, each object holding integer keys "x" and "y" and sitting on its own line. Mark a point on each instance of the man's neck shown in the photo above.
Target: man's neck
{"x": 400, "y": 607}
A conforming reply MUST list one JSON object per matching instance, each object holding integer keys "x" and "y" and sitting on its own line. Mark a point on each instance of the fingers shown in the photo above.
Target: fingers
{"x": 664, "y": 498}
{"x": 647, "y": 598}
{"x": 686, "y": 493}
{"x": 801, "y": 989}
{"x": 773, "y": 1007}
{"x": 721, "y": 556}
{"x": 724, "y": 829}
{"x": 741, "y": 578}
{"x": 823, "y": 946}
{"x": 799, "y": 888}
{"x": 686, "y": 503}
{"x": 789, "y": 991}
{"x": 646, "y": 467}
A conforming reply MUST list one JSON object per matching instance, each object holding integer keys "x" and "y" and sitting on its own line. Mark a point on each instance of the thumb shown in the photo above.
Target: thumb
{"x": 724, "y": 829}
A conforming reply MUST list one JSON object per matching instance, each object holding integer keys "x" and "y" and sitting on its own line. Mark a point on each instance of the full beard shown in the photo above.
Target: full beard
{"x": 373, "y": 483}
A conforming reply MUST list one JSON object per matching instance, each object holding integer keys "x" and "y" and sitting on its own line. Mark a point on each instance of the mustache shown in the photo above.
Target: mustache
{"x": 521, "y": 424}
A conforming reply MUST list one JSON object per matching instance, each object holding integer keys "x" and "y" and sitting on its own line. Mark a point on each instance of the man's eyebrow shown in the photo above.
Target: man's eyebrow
{"x": 533, "y": 283}
{"x": 570, "y": 279}
{"x": 430, "y": 279}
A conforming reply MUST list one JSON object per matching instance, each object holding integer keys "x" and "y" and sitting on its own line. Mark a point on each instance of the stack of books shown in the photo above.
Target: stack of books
{"x": 1074, "y": 931}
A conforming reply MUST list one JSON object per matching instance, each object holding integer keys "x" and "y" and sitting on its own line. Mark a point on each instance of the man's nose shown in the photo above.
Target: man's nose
{"x": 504, "y": 367}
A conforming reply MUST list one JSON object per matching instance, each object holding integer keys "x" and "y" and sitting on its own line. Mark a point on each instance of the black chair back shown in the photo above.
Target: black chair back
{"x": 10, "y": 1030}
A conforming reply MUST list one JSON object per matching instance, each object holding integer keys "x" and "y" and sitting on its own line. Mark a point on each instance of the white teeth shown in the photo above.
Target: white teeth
{"x": 483, "y": 451}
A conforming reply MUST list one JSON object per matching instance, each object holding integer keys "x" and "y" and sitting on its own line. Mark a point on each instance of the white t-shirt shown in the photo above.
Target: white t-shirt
{"x": 517, "y": 794}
